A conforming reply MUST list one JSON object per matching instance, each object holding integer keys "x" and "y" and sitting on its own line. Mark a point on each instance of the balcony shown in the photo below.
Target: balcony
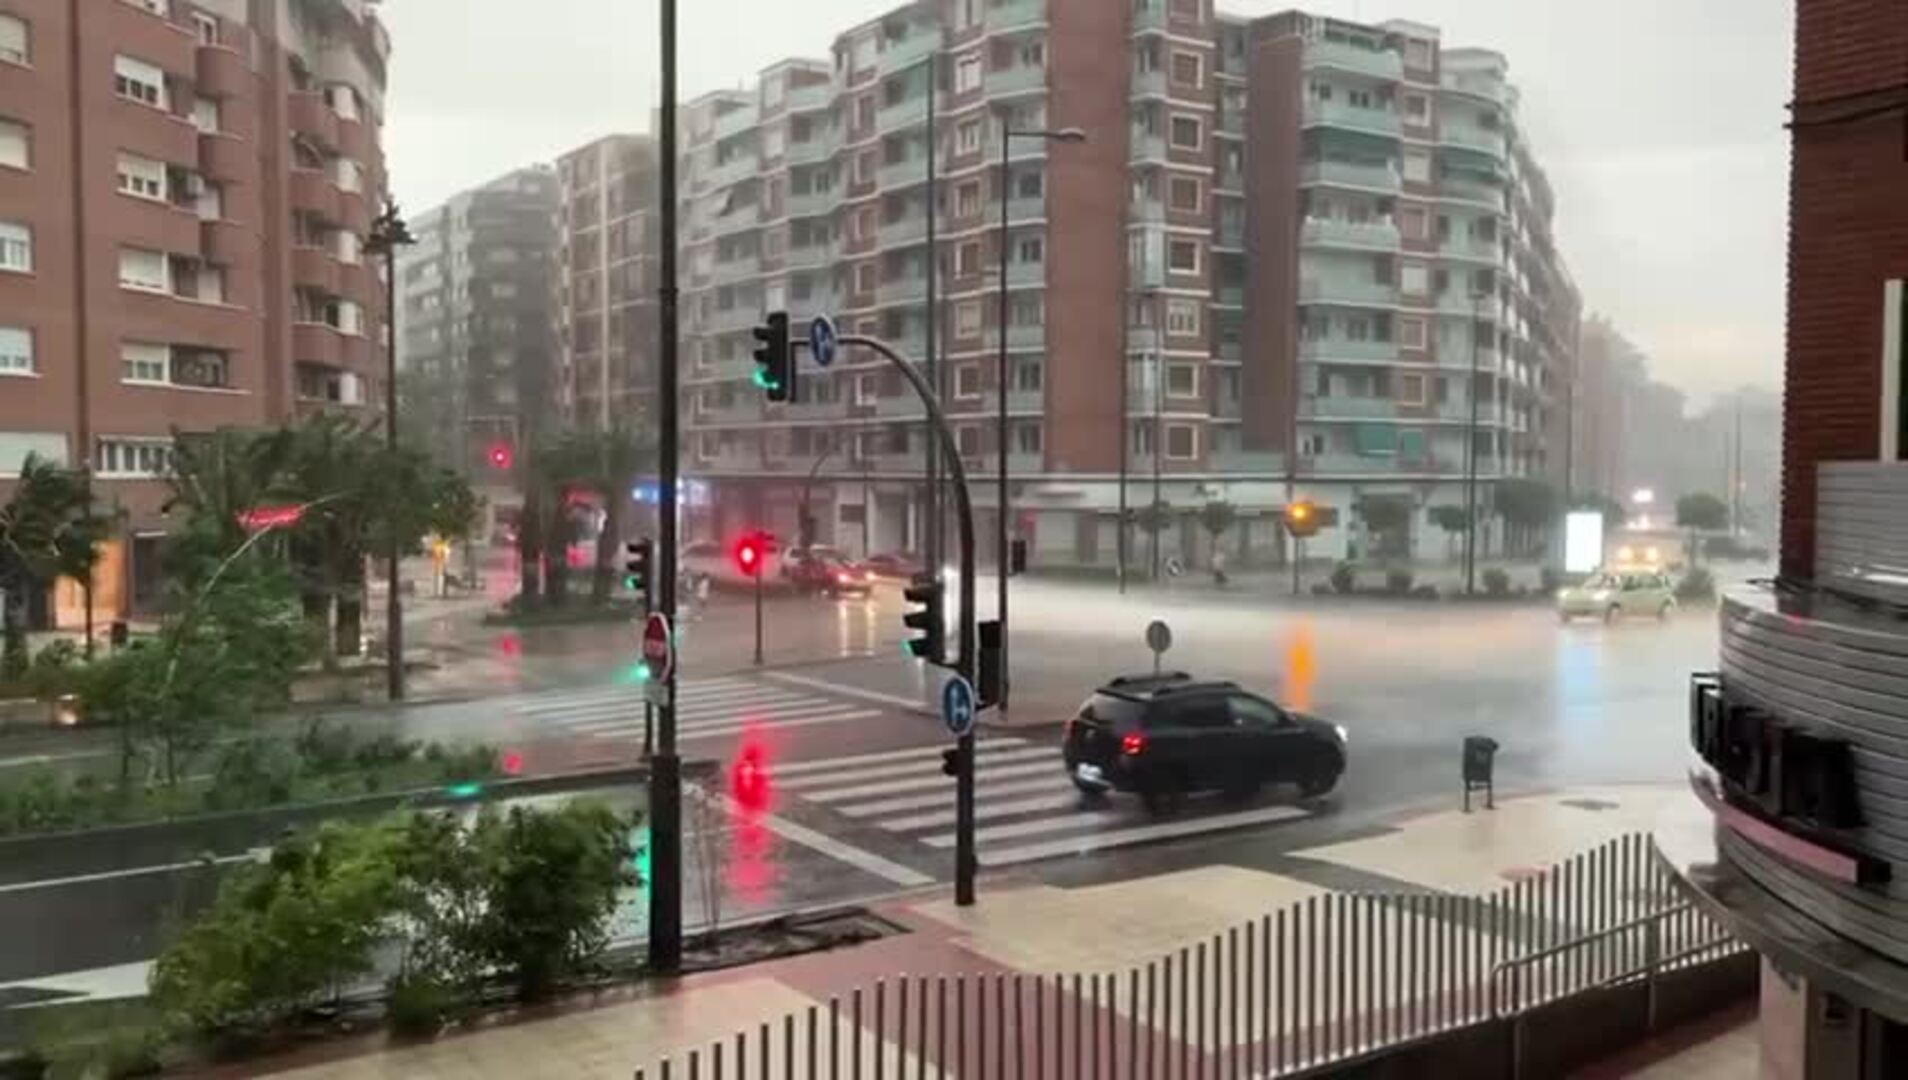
{"x": 1472, "y": 187}
{"x": 1230, "y": 296}
{"x": 1030, "y": 208}
{"x": 812, "y": 97}
{"x": 1149, "y": 84}
{"x": 905, "y": 114}
{"x": 1144, "y": 147}
{"x": 1472, "y": 138}
{"x": 910, "y": 229}
{"x": 224, "y": 242}
{"x": 160, "y": 226}
{"x": 902, "y": 174}
{"x": 1466, "y": 247}
{"x": 1017, "y": 80}
{"x": 813, "y": 151}
{"x": 1339, "y": 290}
{"x": 220, "y": 72}
{"x": 901, "y": 291}
{"x": 910, "y": 50}
{"x": 740, "y": 268}
{"x": 1347, "y": 351}
{"x": 1026, "y": 273}
{"x": 317, "y": 343}
{"x": 736, "y": 169}
{"x": 734, "y": 122}
{"x": 1339, "y": 114}
{"x": 316, "y": 268}
{"x": 1489, "y": 87}
{"x": 813, "y": 204}
{"x": 1365, "y": 236}
{"x": 812, "y": 256}
{"x": 1349, "y": 408}
{"x": 310, "y": 115}
{"x": 314, "y": 193}
{"x": 1016, "y": 14}
{"x": 354, "y": 211}
{"x": 1386, "y": 65}
{"x": 155, "y": 134}
{"x": 1352, "y": 175}
{"x": 1147, "y": 212}
{"x": 356, "y": 141}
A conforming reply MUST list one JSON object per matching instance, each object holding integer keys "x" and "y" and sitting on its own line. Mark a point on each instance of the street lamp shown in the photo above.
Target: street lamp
{"x": 388, "y": 233}
{"x": 1007, "y": 135}
{"x": 1478, "y": 296}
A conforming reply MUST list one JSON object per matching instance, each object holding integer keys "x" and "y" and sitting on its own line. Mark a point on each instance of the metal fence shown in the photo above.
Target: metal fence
{"x": 1332, "y": 977}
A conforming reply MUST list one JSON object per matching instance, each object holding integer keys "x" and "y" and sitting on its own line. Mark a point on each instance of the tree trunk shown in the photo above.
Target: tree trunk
{"x": 350, "y": 627}
{"x": 530, "y": 552}
{"x": 606, "y": 544}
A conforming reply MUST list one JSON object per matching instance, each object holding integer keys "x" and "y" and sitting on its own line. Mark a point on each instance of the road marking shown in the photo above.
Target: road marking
{"x": 802, "y": 768}
{"x": 896, "y": 770}
{"x": 1102, "y": 841}
{"x": 905, "y": 876}
{"x": 687, "y": 703}
{"x": 807, "y": 707}
{"x": 911, "y": 704}
{"x": 984, "y": 811}
{"x": 128, "y": 872}
{"x": 940, "y": 797}
{"x": 1019, "y": 829}
{"x": 728, "y": 730}
{"x": 895, "y": 787}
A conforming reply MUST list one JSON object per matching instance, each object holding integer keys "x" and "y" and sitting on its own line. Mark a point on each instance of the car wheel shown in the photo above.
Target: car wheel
{"x": 1663, "y": 613}
{"x": 1093, "y": 793}
{"x": 1610, "y": 613}
{"x": 1318, "y": 784}
{"x": 1563, "y": 618}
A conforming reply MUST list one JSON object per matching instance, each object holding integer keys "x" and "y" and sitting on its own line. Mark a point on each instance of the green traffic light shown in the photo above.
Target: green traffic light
{"x": 468, "y": 790}
{"x": 641, "y": 672}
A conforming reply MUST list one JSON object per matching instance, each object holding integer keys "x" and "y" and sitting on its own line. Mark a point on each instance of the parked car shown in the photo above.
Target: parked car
{"x": 1608, "y": 594}
{"x": 717, "y": 562}
{"x": 889, "y": 564}
{"x": 827, "y": 571}
{"x": 1164, "y": 736}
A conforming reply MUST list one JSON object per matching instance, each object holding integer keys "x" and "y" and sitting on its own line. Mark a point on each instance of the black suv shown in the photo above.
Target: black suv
{"x": 1162, "y": 736}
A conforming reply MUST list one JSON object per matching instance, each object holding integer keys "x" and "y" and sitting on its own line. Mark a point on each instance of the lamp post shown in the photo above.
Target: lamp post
{"x": 1001, "y": 508}
{"x": 1478, "y": 297}
{"x": 388, "y": 233}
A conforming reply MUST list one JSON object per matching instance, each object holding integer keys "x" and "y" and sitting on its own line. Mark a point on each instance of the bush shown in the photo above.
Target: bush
{"x": 55, "y": 670}
{"x": 251, "y": 772}
{"x": 1496, "y": 582}
{"x": 1344, "y": 579}
{"x": 1320, "y": 588}
{"x": 1398, "y": 582}
{"x": 1425, "y": 592}
{"x": 1550, "y": 580}
{"x": 114, "y": 1042}
{"x": 419, "y": 1006}
{"x": 1697, "y": 586}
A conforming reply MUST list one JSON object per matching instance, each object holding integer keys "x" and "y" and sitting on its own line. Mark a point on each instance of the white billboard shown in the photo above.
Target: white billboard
{"x": 1583, "y": 541}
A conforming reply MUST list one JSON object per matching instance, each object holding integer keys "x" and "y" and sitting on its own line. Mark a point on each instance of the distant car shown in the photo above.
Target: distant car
{"x": 825, "y": 571}
{"x": 1609, "y": 594}
{"x": 717, "y": 562}
{"x": 890, "y": 564}
{"x": 1164, "y": 736}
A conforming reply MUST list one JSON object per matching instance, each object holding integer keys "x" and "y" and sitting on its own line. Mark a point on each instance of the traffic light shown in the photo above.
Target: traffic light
{"x": 637, "y": 567}
{"x": 923, "y": 595}
{"x": 749, "y": 552}
{"x": 1302, "y": 518}
{"x": 775, "y": 359}
{"x": 500, "y": 456}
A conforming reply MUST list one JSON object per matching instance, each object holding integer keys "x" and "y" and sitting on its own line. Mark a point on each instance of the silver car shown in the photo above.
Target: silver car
{"x": 1609, "y": 594}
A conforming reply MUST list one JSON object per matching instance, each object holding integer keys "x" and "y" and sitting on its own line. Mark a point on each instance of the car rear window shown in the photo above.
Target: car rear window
{"x": 1112, "y": 711}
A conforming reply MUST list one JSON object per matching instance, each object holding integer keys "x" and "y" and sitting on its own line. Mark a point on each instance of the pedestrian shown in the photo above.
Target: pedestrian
{"x": 1219, "y": 577}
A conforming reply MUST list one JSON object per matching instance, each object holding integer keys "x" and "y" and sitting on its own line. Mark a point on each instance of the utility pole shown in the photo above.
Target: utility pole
{"x": 388, "y": 233}
{"x": 1470, "y": 456}
{"x": 936, "y": 526}
{"x": 665, "y": 781}
{"x": 1159, "y": 446}
{"x": 1735, "y": 476}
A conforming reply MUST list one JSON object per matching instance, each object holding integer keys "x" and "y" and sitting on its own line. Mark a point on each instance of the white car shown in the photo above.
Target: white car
{"x": 717, "y": 562}
{"x": 1611, "y": 593}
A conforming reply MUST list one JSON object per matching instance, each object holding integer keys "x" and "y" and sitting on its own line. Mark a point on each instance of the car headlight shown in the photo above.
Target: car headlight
{"x": 1600, "y": 595}
{"x": 1343, "y": 736}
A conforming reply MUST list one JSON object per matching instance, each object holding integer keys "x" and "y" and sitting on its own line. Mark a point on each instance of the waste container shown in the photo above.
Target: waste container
{"x": 1480, "y": 762}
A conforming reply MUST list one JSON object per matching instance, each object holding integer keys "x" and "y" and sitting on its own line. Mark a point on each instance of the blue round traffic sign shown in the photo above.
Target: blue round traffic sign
{"x": 821, "y": 340}
{"x": 957, "y": 706}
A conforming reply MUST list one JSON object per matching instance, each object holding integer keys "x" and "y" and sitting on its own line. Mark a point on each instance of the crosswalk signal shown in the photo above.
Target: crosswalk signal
{"x": 641, "y": 558}
{"x": 923, "y": 594}
{"x": 1302, "y": 519}
{"x": 775, "y": 358}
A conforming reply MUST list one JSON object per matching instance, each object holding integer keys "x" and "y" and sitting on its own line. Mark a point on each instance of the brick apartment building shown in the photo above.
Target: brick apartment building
{"x": 184, "y": 188}
{"x": 1277, "y": 259}
{"x": 605, "y": 282}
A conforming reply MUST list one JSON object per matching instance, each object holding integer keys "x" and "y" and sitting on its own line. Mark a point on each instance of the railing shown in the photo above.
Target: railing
{"x": 1336, "y": 977}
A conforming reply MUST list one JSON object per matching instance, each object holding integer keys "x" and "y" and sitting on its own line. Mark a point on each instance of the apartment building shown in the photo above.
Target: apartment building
{"x": 184, "y": 189}
{"x": 477, "y": 328}
{"x": 605, "y": 282}
{"x": 1297, "y": 319}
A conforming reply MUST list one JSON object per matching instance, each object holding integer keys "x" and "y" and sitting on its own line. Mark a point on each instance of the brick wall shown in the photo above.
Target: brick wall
{"x": 1848, "y": 234}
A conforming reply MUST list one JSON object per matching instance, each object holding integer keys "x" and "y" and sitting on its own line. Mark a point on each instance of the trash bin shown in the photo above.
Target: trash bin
{"x": 1480, "y": 758}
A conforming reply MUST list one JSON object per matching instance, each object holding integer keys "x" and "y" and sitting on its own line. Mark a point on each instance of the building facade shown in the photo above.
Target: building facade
{"x": 184, "y": 189}
{"x": 477, "y": 329}
{"x": 1253, "y": 279}
{"x": 605, "y": 283}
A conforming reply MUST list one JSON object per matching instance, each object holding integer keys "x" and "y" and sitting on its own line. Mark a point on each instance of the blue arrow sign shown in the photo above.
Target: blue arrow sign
{"x": 957, "y": 706}
{"x": 821, "y": 340}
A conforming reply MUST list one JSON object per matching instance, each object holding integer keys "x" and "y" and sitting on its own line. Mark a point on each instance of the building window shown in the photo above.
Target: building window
{"x": 16, "y": 350}
{"x": 967, "y": 199}
{"x": 142, "y": 177}
{"x": 1414, "y": 278}
{"x": 1189, "y": 69}
{"x": 967, "y": 137}
{"x": 157, "y": 7}
{"x": 1182, "y": 317}
{"x": 967, "y": 382}
{"x": 144, "y": 270}
{"x": 1187, "y": 132}
{"x": 867, "y": 389}
{"x": 1031, "y": 250}
{"x": 1184, "y": 194}
{"x": 1027, "y": 438}
{"x": 1182, "y": 442}
{"x": 15, "y": 147}
{"x": 1029, "y": 311}
{"x": 967, "y": 259}
{"x": 16, "y": 247}
{"x": 1413, "y": 222}
{"x": 865, "y": 278}
{"x": 205, "y": 115}
{"x": 1410, "y": 389}
{"x": 967, "y": 73}
{"x": 1411, "y": 333}
{"x": 1417, "y": 166}
{"x": 1418, "y": 53}
{"x": 13, "y": 39}
{"x": 1182, "y": 256}
{"x": 1029, "y": 377}
{"x": 139, "y": 81}
{"x": 141, "y": 362}
{"x": 967, "y": 318}
{"x": 132, "y": 457}
{"x": 1182, "y": 380}
{"x": 969, "y": 440}
{"x": 1417, "y": 108}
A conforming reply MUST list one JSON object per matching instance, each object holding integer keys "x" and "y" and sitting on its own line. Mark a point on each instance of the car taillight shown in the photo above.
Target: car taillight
{"x": 1133, "y": 745}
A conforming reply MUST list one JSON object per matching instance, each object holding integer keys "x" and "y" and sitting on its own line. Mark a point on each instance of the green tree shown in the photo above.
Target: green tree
{"x": 48, "y": 530}
{"x": 604, "y": 464}
{"x": 1527, "y": 508}
{"x": 1218, "y": 517}
{"x": 1454, "y": 521}
{"x": 1388, "y": 519}
{"x": 1701, "y": 512}
{"x": 1612, "y": 510}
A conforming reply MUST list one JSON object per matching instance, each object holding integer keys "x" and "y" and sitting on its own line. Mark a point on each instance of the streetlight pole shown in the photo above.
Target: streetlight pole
{"x": 665, "y": 787}
{"x": 388, "y": 233}
{"x": 1470, "y": 456}
{"x": 1159, "y": 447}
{"x": 1002, "y": 502}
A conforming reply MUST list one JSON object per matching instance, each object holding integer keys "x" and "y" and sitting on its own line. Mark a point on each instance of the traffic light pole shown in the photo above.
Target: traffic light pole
{"x": 965, "y": 862}
{"x": 665, "y": 776}
{"x": 758, "y": 610}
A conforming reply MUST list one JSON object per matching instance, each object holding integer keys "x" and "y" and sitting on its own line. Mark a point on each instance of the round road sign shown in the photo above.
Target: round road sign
{"x": 821, "y": 340}
{"x": 659, "y": 650}
{"x": 1159, "y": 636}
{"x": 957, "y": 706}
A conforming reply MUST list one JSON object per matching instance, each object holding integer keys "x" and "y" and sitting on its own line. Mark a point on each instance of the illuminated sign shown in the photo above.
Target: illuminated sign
{"x": 1583, "y": 541}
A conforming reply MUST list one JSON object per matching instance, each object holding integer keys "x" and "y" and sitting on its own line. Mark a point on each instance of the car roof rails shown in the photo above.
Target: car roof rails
{"x": 1150, "y": 677}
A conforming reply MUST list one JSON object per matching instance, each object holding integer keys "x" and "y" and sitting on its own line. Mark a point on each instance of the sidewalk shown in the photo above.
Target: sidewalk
{"x": 1017, "y": 928}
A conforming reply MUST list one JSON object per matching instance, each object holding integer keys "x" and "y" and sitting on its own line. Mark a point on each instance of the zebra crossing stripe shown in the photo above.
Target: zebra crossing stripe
{"x": 984, "y": 811}
{"x": 1068, "y": 823}
{"x": 895, "y": 787}
{"x": 554, "y": 700}
{"x": 923, "y": 767}
{"x": 939, "y": 797}
{"x": 725, "y": 730}
{"x": 725, "y": 719}
{"x": 804, "y": 768}
{"x": 1114, "y": 838}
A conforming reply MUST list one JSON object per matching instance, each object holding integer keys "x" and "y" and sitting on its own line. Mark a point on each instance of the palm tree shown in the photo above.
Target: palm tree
{"x": 602, "y": 463}
{"x": 47, "y": 531}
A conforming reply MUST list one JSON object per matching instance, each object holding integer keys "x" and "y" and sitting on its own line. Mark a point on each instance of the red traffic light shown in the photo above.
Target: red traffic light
{"x": 750, "y": 551}
{"x": 500, "y": 455}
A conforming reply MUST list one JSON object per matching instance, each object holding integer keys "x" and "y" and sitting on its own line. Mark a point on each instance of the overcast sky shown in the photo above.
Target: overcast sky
{"x": 1660, "y": 122}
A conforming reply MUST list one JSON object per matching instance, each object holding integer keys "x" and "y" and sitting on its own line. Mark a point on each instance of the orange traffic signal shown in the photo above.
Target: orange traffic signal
{"x": 1302, "y": 519}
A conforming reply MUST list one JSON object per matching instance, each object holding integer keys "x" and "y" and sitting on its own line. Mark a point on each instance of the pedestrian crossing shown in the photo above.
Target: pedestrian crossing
{"x": 706, "y": 709}
{"x": 1026, "y": 807}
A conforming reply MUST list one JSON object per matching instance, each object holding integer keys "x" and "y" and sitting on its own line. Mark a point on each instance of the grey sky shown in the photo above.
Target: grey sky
{"x": 1660, "y": 122}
